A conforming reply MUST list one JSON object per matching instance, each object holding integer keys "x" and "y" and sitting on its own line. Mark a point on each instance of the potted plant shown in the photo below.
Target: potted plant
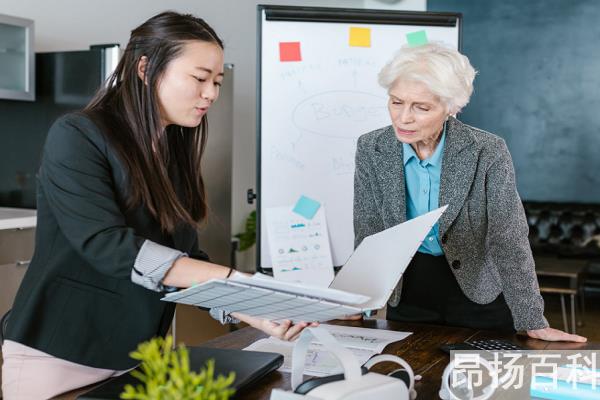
{"x": 246, "y": 241}
{"x": 164, "y": 374}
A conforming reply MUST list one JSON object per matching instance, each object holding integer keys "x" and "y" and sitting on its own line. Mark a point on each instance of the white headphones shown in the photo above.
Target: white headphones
{"x": 388, "y": 357}
{"x": 352, "y": 369}
{"x": 447, "y": 394}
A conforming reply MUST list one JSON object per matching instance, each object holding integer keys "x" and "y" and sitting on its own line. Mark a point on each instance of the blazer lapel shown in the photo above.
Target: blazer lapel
{"x": 388, "y": 156}
{"x": 459, "y": 165}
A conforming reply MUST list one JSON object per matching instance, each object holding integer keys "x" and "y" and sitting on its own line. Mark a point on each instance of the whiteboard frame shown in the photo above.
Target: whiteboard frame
{"x": 328, "y": 14}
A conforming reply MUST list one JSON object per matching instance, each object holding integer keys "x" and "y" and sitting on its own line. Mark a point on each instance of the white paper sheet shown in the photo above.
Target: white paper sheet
{"x": 299, "y": 247}
{"x": 364, "y": 283}
{"x": 319, "y": 362}
{"x": 377, "y": 264}
{"x": 269, "y": 299}
{"x": 267, "y": 282}
{"x": 364, "y": 338}
{"x": 362, "y": 342}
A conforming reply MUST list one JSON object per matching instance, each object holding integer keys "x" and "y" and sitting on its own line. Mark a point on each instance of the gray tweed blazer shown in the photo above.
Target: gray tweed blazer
{"x": 483, "y": 232}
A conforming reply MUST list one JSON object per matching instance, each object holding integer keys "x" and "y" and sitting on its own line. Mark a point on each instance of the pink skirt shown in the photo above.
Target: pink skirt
{"x": 29, "y": 374}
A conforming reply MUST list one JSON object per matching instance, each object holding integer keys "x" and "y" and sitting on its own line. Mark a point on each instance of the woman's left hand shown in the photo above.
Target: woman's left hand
{"x": 284, "y": 330}
{"x": 555, "y": 335}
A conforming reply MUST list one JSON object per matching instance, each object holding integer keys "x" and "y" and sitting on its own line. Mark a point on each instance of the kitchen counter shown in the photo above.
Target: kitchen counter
{"x": 13, "y": 218}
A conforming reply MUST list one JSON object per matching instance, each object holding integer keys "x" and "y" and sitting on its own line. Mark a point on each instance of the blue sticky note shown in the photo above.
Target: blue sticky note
{"x": 306, "y": 207}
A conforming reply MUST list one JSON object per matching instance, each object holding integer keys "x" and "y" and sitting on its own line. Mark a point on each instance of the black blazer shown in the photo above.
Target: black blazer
{"x": 77, "y": 301}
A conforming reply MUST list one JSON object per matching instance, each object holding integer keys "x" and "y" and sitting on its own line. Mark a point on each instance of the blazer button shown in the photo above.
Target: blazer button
{"x": 456, "y": 264}
{"x": 444, "y": 238}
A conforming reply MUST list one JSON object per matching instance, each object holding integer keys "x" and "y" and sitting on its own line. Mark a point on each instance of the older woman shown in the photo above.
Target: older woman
{"x": 475, "y": 268}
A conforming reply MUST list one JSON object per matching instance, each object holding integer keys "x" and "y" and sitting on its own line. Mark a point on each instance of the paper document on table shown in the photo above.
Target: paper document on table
{"x": 319, "y": 362}
{"x": 364, "y": 338}
{"x": 362, "y": 342}
{"x": 364, "y": 283}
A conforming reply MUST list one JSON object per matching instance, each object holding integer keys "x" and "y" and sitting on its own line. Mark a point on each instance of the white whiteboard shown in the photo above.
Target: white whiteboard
{"x": 313, "y": 111}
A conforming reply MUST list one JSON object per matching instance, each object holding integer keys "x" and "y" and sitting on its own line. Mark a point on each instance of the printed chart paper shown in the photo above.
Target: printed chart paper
{"x": 299, "y": 246}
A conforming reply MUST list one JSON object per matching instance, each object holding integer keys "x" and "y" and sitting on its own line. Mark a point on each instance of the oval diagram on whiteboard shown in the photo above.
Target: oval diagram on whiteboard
{"x": 343, "y": 114}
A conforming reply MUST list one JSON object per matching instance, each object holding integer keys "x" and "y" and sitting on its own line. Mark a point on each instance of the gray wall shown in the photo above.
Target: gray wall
{"x": 539, "y": 88}
{"x": 73, "y": 25}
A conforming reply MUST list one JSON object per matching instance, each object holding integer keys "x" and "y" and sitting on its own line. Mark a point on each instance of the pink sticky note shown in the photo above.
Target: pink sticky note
{"x": 289, "y": 51}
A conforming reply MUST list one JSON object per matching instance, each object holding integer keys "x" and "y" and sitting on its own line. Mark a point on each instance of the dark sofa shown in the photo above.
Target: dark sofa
{"x": 567, "y": 230}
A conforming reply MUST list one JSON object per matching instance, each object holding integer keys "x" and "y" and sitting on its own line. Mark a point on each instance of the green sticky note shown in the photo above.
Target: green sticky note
{"x": 418, "y": 38}
{"x": 306, "y": 207}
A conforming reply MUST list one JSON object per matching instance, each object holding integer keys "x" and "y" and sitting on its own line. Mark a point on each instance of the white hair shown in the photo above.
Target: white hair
{"x": 447, "y": 73}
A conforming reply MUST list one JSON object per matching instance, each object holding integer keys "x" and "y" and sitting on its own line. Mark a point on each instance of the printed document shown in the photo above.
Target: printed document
{"x": 364, "y": 283}
{"x": 299, "y": 247}
{"x": 362, "y": 342}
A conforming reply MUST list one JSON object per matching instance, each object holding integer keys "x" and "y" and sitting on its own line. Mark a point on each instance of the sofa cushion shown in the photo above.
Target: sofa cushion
{"x": 564, "y": 229}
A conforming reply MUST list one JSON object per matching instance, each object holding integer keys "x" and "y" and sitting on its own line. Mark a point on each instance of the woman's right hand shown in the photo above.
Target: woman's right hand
{"x": 351, "y": 317}
{"x": 284, "y": 330}
{"x": 555, "y": 335}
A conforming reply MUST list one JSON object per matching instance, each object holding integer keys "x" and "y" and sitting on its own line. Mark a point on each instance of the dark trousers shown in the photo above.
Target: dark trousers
{"x": 431, "y": 294}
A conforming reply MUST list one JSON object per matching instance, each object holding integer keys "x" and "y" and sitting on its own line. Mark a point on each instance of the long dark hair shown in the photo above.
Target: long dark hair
{"x": 128, "y": 112}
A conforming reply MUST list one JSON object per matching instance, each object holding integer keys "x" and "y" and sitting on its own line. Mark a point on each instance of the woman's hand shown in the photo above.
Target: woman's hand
{"x": 284, "y": 330}
{"x": 555, "y": 335}
{"x": 351, "y": 317}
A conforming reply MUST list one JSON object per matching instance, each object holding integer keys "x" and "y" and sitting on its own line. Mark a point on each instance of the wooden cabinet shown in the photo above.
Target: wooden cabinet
{"x": 195, "y": 326}
{"x": 16, "y": 249}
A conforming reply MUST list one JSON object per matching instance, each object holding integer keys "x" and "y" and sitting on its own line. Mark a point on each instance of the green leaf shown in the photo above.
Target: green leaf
{"x": 165, "y": 375}
{"x": 248, "y": 237}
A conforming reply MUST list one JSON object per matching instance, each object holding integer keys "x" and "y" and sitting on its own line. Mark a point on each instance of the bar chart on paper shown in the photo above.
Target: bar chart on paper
{"x": 299, "y": 244}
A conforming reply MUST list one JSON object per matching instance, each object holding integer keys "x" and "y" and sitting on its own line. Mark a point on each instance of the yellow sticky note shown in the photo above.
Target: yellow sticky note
{"x": 360, "y": 37}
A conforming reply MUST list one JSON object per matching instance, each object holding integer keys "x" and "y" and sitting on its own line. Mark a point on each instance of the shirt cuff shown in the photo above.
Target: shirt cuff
{"x": 152, "y": 263}
{"x": 222, "y": 316}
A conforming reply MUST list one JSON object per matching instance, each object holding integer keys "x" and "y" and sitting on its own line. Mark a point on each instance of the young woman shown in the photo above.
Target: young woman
{"x": 120, "y": 195}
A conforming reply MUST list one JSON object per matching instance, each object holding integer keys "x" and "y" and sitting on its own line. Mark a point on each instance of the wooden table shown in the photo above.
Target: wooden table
{"x": 420, "y": 350}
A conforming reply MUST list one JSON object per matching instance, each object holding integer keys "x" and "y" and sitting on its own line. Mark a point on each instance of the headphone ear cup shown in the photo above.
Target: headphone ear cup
{"x": 401, "y": 374}
{"x": 410, "y": 383}
{"x": 404, "y": 376}
{"x": 312, "y": 383}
